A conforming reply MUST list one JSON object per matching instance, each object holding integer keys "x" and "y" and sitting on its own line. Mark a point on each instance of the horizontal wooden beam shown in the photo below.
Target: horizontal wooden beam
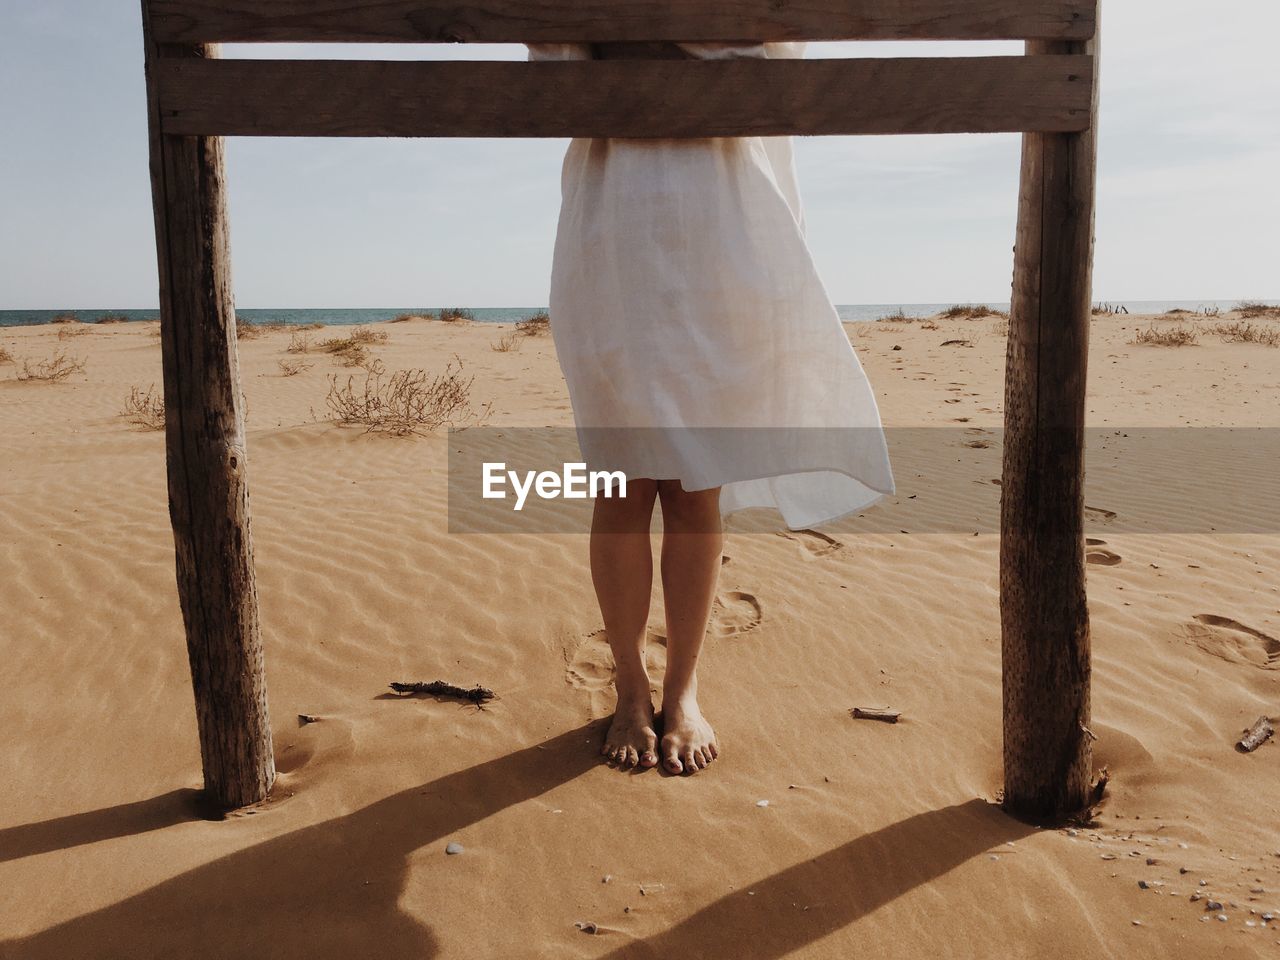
{"x": 569, "y": 21}
{"x": 622, "y": 98}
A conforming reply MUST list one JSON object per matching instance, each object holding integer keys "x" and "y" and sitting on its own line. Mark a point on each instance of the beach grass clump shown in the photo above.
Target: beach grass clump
{"x": 65, "y": 318}
{"x": 406, "y": 317}
{"x": 1256, "y": 308}
{"x": 1242, "y": 331}
{"x": 352, "y": 350}
{"x": 1178, "y": 336}
{"x": 5, "y": 355}
{"x": 292, "y": 367}
{"x": 507, "y": 343}
{"x": 112, "y": 318}
{"x": 405, "y": 403}
{"x": 898, "y": 316}
{"x": 969, "y": 311}
{"x": 535, "y": 324}
{"x": 70, "y": 330}
{"x": 55, "y": 369}
{"x": 144, "y": 407}
{"x": 453, "y": 314}
{"x": 1108, "y": 309}
{"x": 299, "y": 342}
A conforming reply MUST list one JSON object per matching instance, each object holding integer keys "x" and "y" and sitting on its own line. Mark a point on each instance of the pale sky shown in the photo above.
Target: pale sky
{"x": 1188, "y": 204}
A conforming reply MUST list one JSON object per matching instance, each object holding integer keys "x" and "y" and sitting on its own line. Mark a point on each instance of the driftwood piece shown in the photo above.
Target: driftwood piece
{"x": 438, "y": 688}
{"x": 875, "y": 713}
{"x": 1256, "y": 736}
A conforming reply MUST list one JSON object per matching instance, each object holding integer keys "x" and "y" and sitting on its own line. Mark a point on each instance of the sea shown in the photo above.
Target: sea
{"x": 341, "y": 316}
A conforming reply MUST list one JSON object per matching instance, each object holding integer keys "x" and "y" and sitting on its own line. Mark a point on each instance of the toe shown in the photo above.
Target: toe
{"x": 670, "y": 760}
{"x": 631, "y": 758}
{"x": 690, "y": 761}
{"x": 705, "y": 754}
{"x": 649, "y": 758}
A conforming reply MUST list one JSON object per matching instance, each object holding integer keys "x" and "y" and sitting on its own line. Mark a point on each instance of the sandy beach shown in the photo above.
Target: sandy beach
{"x": 815, "y": 835}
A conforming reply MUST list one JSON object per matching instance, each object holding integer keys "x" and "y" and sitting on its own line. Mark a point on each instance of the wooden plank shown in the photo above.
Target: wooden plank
{"x": 1043, "y": 610}
{"x": 205, "y": 450}
{"x": 621, "y": 98}
{"x": 568, "y": 21}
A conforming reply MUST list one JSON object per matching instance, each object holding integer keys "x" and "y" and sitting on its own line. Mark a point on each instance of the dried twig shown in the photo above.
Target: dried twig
{"x": 875, "y": 713}
{"x": 438, "y": 688}
{"x": 1256, "y": 736}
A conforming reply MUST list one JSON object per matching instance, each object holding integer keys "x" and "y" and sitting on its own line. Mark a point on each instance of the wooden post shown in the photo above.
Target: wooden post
{"x": 204, "y": 433}
{"x": 1044, "y": 618}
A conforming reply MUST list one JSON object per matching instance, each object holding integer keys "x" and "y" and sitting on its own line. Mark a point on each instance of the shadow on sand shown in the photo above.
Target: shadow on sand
{"x": 277, "y": 899}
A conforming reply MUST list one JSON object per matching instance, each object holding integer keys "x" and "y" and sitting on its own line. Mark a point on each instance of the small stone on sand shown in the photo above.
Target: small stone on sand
{"x": 453, "y": 847}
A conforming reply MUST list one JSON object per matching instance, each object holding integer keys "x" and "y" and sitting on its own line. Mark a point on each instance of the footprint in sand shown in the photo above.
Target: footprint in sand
{"x": 814, "y": 544}
{"x": 1099, "y": 514}
{"x": 1103, "y": 558}
{"x": 735, "y": 613}
{"x": 1233, "y": 641}
{"x": 592, "y": 667}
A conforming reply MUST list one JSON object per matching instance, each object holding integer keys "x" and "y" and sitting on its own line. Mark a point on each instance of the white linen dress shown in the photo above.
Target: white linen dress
{"x": 694, "y": 333}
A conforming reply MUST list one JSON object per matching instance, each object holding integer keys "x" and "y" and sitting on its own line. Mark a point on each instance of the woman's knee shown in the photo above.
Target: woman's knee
{"x": 629, "y": 512}
{"x": 689, "y": 510}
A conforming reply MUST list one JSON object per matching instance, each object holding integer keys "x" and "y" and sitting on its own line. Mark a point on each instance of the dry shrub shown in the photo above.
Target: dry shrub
{"x": 291, "y": 368}
{"x": 144, "y": 407}
{"x": 5, "y": 355}
{"x": 929, "y": 325}
{"x": 1000, "y": 328}
{"x": 65, "y": 318}
{"x": 407, "y": 402}
{"x": 507, "y": 343}
{"x": 451, "y": 314}
{"x": 350, "y": 350}
{"x": 1178, "y": 336}
{"x": 531, "y": 326}
{"x": 970, "y": 311}
{"x": 1256, "y": 308}
{"x": 113, "y": 318}
{"x": 72, "y": 330}
{"x": 57, "y": 368}
{"x": 898, "y": 316}
{"x": 367, "y": 336}
{"x": 1175, "y": 311}
{"x": 1245, "y": 332}
{"x": 299, "y": 342}
{"x": 246, "y": 329}
{"x": 406, "y": 317}
{"x": 309, "y": 326}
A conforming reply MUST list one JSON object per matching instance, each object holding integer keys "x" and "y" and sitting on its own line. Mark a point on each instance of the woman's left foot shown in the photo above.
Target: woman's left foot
{"x": 688, "y": 742}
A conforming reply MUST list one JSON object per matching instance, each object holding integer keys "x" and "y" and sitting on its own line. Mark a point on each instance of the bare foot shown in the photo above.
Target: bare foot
{"x": 688, "y": 742}
{"x": 632, "y": 740}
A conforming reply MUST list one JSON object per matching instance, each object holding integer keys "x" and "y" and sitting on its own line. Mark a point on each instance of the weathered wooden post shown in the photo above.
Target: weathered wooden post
{"x": 204, "y": 435}
{"x": 1048, "y": 760}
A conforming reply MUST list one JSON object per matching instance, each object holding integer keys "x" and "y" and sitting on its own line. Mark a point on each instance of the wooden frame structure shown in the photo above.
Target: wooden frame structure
{"x": 1049, "y": 95}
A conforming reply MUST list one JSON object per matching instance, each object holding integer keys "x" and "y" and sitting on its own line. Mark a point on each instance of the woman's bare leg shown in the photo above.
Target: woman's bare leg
{"x": 622, "y": 573}
{"x": 692, "y": 542}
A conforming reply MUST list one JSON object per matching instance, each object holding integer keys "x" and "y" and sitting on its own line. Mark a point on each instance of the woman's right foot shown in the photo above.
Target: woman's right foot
{"x": 632, "y": 739}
